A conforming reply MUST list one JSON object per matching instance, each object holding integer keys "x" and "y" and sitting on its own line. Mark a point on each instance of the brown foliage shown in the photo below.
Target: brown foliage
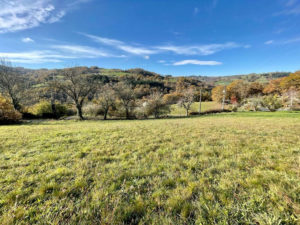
{"x": 7, "y": 112}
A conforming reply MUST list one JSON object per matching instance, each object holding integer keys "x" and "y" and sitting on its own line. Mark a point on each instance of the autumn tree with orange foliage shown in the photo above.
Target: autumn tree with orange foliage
{"x": 273, "y": 87}
{"x": 237, "y": 90}
{"x": 218, "y": 93}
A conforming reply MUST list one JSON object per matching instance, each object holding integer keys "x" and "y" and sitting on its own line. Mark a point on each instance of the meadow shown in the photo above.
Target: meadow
{"x": 234, "y": 168}
{"x": 176, "y": 110}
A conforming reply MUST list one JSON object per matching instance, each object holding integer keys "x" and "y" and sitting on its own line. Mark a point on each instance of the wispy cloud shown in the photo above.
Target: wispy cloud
{"x": 16, "y": 15}
{"x": 208, "y": 49}
{"x": 200, "y": 49}
{"x": 196, "y": 62}
{"x": 196, "y": 10}
{"x": 291, "y": 2}
{"x": 291, "y": 7}
{"x": 290, "y": 41}
{"x": 269, "y": 42}
{"x": 85, "y": 51}
{"x": 34, "y": 56}
{"x": 56, "y": 54}
{"x": 283, "y": 42}
{"x": 136, "y": 50}
{"x": 27, "y": 40}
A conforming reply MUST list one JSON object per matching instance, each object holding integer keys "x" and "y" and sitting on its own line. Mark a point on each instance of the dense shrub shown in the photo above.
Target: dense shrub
{"x": 92, "y": 110}
{"x": 119, "y": 111}
{"x": 155, "y": 105}
{"x": 172, "y": 98}
{"x": 212, "y": 111}
{"x": 44, "y": 109}
{"x": 272, "y": 102}
{"x": 7, "y": 112}
{"x": 251, "y": 104}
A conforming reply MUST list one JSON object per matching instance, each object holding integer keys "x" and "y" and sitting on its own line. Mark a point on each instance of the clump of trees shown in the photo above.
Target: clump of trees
{"x": 278, "y": 93}
{"x": 84, "y": 91}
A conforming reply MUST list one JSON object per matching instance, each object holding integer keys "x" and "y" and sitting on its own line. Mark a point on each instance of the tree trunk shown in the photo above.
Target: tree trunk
{"x": 15, "y": 101}
{"x": 187, "y": 112}
{"x": 53, "y": 107}
{"x": 200, "y": 101}
{"x": 223, "y": 100}
{"x": 127, "y": 113}
{"x": 292, "y": 99}
{"x": 79, "y": 111}
{"x": 105, "y": 114}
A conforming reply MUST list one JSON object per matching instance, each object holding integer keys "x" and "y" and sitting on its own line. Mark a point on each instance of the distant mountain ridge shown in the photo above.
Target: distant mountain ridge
{"x": 139, "y": 72}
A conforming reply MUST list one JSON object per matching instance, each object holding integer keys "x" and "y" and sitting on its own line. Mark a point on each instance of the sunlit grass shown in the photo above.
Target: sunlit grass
{"x": 221, "y": 169}
{"x": 205, "y": 106}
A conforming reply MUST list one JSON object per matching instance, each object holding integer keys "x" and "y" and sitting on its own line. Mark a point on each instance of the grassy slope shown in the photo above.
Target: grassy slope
{"x": 241, "y": 167}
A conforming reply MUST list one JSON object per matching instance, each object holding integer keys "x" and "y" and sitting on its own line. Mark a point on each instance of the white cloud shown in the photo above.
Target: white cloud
{"x": 196, "y": 62}
{"x": 162, "y": 61}
{"x": 147, "y": 57}
{"x": 34, "y": 56}
{"x": 290, "y": 41}
{"x": 59, "y": 53}
{"x": 79, "y": 49}
{"x": 16, "y": 15}
{"x": 27, "y": 40}
{"x": 269, "y": 42}
{"x": 200, "y": 49}
{"x": 136, "y": 50}
{"x": 208, "y": 49}
{"x": 283, "y": 42}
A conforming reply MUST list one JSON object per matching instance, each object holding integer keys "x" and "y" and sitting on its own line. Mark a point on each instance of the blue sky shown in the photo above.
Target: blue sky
{"x": 178, "y": 37}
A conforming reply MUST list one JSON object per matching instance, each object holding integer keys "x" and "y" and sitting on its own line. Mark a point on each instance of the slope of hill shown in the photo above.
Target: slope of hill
{"x": 253, "y": 77}
{"x": 141, "y": 74}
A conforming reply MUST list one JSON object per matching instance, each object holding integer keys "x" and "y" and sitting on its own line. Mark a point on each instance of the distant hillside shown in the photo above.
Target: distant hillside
{"x": 253, "y": 77}
{"x": 141, "y": 74}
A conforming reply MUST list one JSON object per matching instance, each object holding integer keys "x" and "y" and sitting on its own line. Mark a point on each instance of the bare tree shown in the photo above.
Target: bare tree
{"x": 187, "y": 99}
{"x": 77, "y": 85}
{"x": 125, "y": 93}
{"x": 106, "y": 99}
{"x": 155, "y": 105}
{"x": 292, "y": 95}
{"x": 11, "y": 83}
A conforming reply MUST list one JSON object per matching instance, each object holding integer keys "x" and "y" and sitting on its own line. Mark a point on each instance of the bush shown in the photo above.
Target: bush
{"x": 92, "y": 110}
{"x": 172, "y": 98}
{"x": 155, "y": 105}
{"x": 118, "y": 110}
{"x": 43, "y": 109}
{"x": 251, "y": 104}
{"x": 7, "y": 112}
{"x": 272, "y": 102}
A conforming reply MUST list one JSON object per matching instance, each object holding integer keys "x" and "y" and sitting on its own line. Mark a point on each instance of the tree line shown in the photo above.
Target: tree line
{"x": 60, "y": 93}
{"x": 81, "y": 91}
{"x": 283, "y": 92}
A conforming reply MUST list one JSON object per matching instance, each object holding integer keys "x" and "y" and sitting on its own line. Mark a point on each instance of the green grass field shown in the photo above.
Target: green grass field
{"x": 236, "y": 168}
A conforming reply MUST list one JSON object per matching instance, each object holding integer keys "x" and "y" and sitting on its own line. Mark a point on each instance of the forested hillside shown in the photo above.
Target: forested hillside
{"x": 148, "y": 75}
{"x": 136, "y": 93}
